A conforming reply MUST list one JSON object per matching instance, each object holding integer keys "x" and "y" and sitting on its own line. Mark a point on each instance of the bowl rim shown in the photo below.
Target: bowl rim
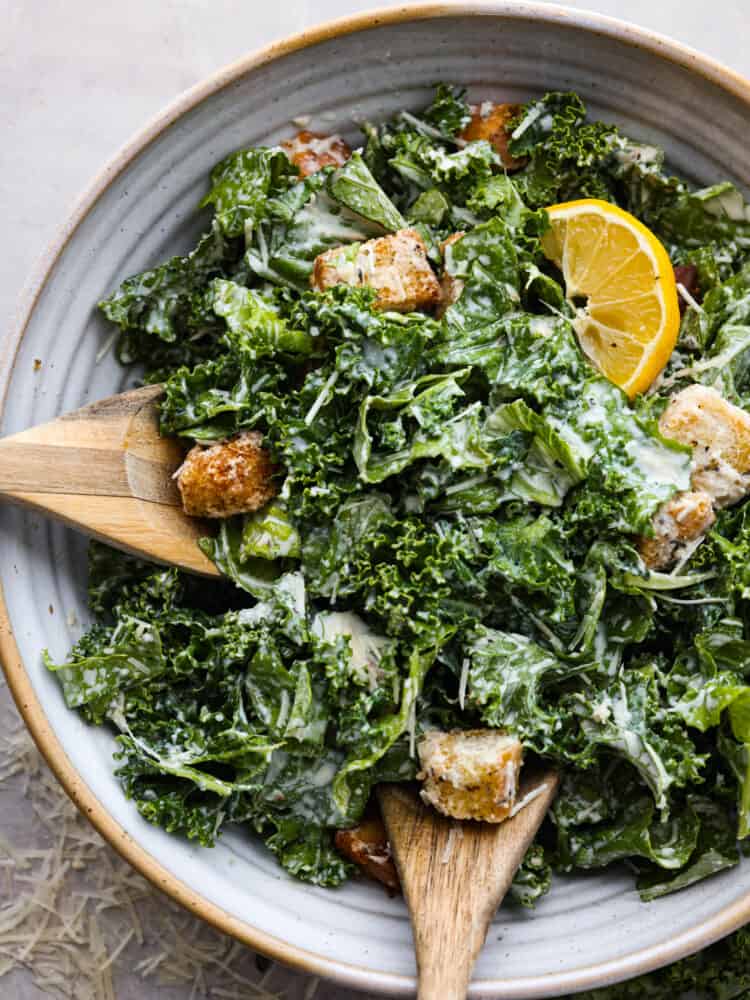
{"x": 730, "y": 917}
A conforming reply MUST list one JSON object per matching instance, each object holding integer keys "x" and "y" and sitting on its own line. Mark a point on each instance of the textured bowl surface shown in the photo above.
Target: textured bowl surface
{"x": 590, "y": 929}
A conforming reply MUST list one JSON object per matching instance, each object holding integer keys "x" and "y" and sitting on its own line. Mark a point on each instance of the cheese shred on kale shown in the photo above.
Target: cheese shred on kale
{"x": 466, "y": 488}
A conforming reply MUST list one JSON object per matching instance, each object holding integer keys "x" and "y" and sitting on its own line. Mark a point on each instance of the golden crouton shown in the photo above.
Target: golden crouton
{"x": 700, "y": 417}
{"x": 310, "y": 151}
{"x": 395, "y": 266}
{"x": 471, "y": 774}
{"x": 450, "y": 287}
{"x": 680, "y": 520}
{"x": 490, "y": 121}
{"x": 367, "y": 846}
{"x": 719, "y": 434}
{"x": 231, "y": 477}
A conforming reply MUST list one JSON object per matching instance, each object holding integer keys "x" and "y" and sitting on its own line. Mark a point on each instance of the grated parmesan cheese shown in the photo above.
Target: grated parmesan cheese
{"x": 464, "y": 680}
{"x": 79, "y": 919}
{"x": 688, "y": 298}
{"x": 529, "y": 797}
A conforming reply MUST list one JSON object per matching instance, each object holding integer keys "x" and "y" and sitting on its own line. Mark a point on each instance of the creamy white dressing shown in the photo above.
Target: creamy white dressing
{"x": 367, "y": 648}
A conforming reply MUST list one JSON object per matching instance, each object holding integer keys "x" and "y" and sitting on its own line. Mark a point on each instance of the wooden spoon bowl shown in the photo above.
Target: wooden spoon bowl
{"x": 106, "y": 470}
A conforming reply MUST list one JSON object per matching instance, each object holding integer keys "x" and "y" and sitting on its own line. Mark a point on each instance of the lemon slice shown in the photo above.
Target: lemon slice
{"x": 620, "y": 281}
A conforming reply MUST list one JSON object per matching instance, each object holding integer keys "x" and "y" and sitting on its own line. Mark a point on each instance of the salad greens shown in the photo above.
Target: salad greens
{"x": 453, "y": 544}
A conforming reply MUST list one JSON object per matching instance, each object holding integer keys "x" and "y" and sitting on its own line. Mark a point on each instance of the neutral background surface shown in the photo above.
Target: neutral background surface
{"x": 78, "y": 78}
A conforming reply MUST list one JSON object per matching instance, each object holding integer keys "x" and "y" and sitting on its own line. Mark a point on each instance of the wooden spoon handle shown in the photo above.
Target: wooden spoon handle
{"x": 94, "y": 451}
{"x": 454, "y": 876}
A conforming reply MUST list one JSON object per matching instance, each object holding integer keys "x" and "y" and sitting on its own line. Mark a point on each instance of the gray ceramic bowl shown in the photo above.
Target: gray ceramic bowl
{"x": 589, "y": 930}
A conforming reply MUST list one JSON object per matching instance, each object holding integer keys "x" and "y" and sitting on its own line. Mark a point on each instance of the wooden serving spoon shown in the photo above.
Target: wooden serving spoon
{"x": 106, "y": 470}
{"x": 454, "y": 876}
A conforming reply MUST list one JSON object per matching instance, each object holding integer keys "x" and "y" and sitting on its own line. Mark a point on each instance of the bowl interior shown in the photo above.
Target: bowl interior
{"x": 590, "y": 929}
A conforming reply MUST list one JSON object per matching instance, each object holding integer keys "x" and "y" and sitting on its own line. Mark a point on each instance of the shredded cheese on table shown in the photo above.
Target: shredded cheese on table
{"x": 80, "y": 919}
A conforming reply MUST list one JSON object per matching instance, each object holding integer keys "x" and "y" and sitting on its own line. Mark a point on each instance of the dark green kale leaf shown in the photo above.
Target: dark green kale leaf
{"x": 720, "y": 972}
{"x": 566, "y": 154}
{"x": 485, "y": 262}
{"x": 516, "y": 684}
{"x": 242, "y": 183}
{"x": 216, "y": 398}
{"x": 255, "y": 328}
{"x": 168, "y": 301}
{"x": 721, "y": 331}
{"x": 422, "y": 163}
{"x": 228, "y": 551}
{"x": 606, "y": 815}
{"x": 449, "y": 113}
{"x": 716, "y": 850}
{"x": 354, "y": 187}
{"x": 506, "y": 680}
{"x": 230, "y": 717}
{"x": 328, "y": 209}
{"x": 532, "y": 880}
{"x": 426, "y": 419}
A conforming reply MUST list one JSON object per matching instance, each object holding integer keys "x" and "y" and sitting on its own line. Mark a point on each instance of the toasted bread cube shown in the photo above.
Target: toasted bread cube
{"x": 367, "y": 846}
{"x": 682, "y": 519}
{"x": 450, "y": 287}
{"x": 231, "y": 477}
{"x": 471, "y": 774}
{"x": 490, "y": 121}
{"x": 395, "y": 266}
{"x": 699, "y": 416}
{"x": 719, "y": 434}
{"x": 310, "y": 151}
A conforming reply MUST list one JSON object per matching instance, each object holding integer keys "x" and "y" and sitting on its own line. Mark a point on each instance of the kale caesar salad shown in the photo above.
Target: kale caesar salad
{"x": 469, "y": 411}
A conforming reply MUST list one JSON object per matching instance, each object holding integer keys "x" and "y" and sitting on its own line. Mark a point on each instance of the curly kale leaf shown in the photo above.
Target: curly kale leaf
{"x": 449, "y": 113}
{"x": 354, "y": 187}
{"x": 423, "y": 164}
{"x": 168, "y": 301}
{"x": 423, "y": 420}
{"x": 232, "y": 716}
{"x": 716, "y": 850}
{"x": 720, "y": 972}
{"x": 255, "y": 329}
{"x": 242, "y": 183}
{"x": 606, "y": 815}
{"x": 533, "y": 879}
{"x": 328, "y": 209}
{"x": 566, "y": 154}
{"x": 506, "y": 680}
{"x": 517, "y": 684}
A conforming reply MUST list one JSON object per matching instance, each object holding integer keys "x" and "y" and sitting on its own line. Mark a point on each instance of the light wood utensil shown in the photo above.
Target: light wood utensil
{"x": 106, "y": 470}
{"x": 454, "y": 876}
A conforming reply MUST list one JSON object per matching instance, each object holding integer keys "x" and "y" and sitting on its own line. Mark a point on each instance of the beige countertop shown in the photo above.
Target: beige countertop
{"x": 77, "y": 79}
